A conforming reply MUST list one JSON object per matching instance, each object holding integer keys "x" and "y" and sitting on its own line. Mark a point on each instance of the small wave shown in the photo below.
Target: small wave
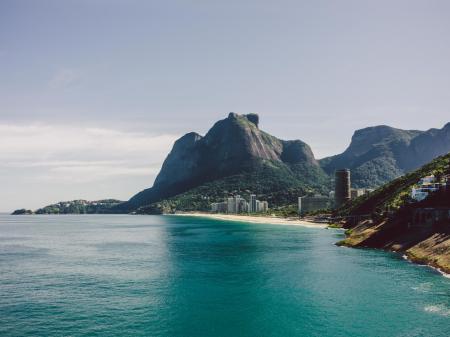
{"x": 423, "y": 287}
{"x": 443, "y": 273}
{"x": 438, "y": 309}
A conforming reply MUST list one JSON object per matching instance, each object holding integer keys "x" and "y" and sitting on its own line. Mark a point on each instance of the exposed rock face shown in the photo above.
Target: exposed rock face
{"x": 254, "y": 118}
{"x": 233, "y": 145}
{"x": 379, "y": 154}
{"x": 181, "y": 161}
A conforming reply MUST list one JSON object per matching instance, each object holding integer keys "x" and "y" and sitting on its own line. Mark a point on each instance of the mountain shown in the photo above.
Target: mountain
{"x": 379, "y": 154}
{"x": 235, "y": 155}
{"x": 387, "y": 218}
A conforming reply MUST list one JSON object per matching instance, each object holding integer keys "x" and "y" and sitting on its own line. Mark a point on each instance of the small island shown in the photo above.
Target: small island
{"x": 22, "y": 211}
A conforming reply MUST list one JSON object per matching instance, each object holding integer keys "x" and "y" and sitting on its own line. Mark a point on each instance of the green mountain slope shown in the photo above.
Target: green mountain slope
{"x": 273, "y": 181}
{"x": 379, "y": 154}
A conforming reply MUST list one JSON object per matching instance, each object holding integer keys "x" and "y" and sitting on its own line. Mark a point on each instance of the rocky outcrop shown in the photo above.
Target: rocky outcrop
{"x": 232, "y": 146}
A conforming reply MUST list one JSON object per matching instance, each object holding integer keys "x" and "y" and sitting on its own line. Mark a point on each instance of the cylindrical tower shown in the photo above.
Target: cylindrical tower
{"x": 342, "y": 187}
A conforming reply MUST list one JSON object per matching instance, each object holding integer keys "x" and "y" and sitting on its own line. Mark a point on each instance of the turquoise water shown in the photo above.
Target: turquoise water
{"x": 180, "y": 276}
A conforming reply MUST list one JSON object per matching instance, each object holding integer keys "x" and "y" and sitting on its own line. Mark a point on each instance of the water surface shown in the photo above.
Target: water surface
{"x": 120, "y": 275}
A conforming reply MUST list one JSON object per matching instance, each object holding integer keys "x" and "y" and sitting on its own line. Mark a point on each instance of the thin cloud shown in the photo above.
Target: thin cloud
{"x": 69, "y": 152}
{"x": 64, "y": 77}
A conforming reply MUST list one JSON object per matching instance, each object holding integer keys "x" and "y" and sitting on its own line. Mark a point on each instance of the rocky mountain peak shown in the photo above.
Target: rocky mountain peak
{"x": 233, "y": 145}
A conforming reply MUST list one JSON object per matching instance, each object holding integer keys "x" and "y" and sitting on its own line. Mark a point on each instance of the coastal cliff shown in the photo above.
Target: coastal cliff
{"x": 389, "y": 219}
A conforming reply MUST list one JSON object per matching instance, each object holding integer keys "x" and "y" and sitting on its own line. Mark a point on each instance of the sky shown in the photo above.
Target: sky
{"x": 93, "y": 93}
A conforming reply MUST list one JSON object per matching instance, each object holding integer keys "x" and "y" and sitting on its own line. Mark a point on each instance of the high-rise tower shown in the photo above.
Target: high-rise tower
{"x": 342, "y": 192}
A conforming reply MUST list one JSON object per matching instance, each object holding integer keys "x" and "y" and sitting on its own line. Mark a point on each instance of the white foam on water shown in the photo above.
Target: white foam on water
{"x": 438, "y": 309}
{"x": 446, "y": 275}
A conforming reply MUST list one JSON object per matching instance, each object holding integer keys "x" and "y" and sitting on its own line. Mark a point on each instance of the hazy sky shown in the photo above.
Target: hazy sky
{"x": 93, "y": 93}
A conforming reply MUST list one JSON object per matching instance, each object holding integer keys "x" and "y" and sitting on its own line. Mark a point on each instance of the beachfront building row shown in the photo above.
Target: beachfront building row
{"x": 237, "y": 204}
{"x": 318, "y": 202}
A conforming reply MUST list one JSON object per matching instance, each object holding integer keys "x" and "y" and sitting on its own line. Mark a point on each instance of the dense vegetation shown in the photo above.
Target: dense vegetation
{"x": 379, "y": 154}
{"x": 274, "y": 182}
{"x": 75, "y": 207}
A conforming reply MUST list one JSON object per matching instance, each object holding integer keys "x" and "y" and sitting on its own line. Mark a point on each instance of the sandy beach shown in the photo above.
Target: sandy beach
{"x": 258, "y": 219}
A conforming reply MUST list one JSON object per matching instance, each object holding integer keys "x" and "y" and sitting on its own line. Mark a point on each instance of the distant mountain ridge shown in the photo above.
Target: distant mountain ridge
{"x": 379, "y": 154}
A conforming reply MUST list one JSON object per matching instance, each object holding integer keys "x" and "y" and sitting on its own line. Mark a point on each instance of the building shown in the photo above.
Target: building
{"x": 264, "y": 206}
{"x": 243, "y": 207}
{"x": 358, "y": 192}
{"x": 342, "y": 187}
{"x": 425, "y": 217}
{"x": 237, "y": 204}
{"x": 313, "y": 203}
{"x": 219, "y": 207}
{"x": 425, "y": 186}
{"x": 231, "y": 205}
{"x": 253, "y": 208}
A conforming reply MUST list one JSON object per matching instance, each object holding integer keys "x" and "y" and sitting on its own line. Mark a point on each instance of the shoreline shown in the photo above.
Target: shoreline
{"x": 269, "y": 220}
{"x": 426, "y": 264}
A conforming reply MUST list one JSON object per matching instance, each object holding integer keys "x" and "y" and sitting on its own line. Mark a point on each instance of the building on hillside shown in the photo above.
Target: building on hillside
{"x": 342, "y": 187}
{"x": 425, "y": 217}
{"x": 445, "y": 183}
{"x": 427, "y": 180}
{"x": 312, "y": 203}
{"x": 425, "y": 186}
{"x": 358, "y": 192}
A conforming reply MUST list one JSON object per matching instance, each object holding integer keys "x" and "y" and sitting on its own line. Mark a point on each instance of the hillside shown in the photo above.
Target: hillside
{"x": 388, "y": 218}
{"x": 75, "y": 207}
{"x": 377, "y": 155}
{"x": 234, "y": 155}
{"x": 271, "y": 181}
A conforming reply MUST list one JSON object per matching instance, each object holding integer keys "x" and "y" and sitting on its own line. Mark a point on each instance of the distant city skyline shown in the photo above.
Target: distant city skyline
{"x": 94, "y": 93}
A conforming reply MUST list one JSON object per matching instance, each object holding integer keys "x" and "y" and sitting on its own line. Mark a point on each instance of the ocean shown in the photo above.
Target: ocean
{"x": 123, "y": 275}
